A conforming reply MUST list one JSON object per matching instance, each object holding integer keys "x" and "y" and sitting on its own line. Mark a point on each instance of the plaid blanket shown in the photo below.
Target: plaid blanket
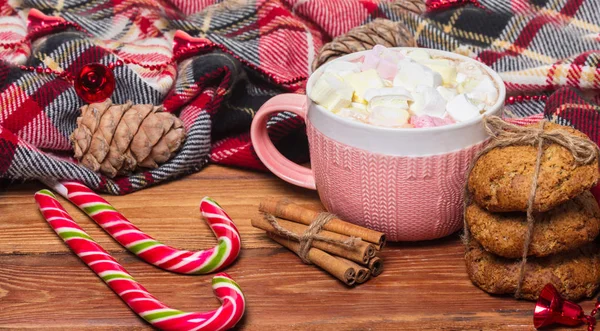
{"x": 539, "y": 47}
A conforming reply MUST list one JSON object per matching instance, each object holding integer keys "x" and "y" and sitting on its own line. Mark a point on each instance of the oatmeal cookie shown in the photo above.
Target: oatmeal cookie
{"x": 575, "y": 274}
{"x": 568, "y": 226}
{"x": 501, "y": 179}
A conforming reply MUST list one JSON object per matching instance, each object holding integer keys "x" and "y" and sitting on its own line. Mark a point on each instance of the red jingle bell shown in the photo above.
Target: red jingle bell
{"x": 185, "y": 45}
{"x": 552, "y": 309}
{"x": 94, "y": 83}
{"x": 39, "y": 24}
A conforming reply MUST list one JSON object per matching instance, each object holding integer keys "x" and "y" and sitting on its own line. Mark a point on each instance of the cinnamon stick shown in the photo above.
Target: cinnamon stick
{"x": 373, "y": 253}
{"x": 361, "y": 253}
{"x": 362, "y": 274}
{"x": 376, "y": 266}
{"x": 288, "y": 210}
{"x": 332, "y": 265}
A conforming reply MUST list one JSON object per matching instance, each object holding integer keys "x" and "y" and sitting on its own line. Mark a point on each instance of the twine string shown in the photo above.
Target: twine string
{"x": 312, "y": 233}
{"x": 530, "y": 218}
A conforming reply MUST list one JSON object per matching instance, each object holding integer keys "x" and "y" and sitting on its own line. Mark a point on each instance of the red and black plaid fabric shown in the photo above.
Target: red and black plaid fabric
{"x": 539, "y": 47}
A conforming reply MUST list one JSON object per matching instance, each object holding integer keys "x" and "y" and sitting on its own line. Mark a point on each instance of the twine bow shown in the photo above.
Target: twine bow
{"x": 312, "y": 233}
{"x": 504, "y": 134}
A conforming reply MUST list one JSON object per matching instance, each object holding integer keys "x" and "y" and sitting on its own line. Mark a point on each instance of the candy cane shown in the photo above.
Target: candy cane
{"x": 148, "y": 248}
{"x": 133, "y": 293}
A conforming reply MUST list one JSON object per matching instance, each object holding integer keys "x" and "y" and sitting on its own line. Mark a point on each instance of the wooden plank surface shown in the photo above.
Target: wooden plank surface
{"x": 43, "y": 285}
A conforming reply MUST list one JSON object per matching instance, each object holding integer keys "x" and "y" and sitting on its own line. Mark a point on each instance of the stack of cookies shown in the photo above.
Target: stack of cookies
{"x": 563, "y": 249}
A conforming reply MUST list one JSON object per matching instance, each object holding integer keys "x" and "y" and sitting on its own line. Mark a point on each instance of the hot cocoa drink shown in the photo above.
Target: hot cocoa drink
{"x": 405, "y": 89}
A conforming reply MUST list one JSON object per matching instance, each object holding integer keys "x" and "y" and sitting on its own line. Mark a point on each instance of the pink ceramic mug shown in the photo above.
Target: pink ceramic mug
{"x": 407, "y": 183}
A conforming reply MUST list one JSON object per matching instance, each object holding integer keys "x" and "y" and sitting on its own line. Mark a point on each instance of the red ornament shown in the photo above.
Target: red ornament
{"x": 39, "y": 24}
{"x": 433, "y": 5}
{"x": 510, "y": 100}
{"x": 185, "y": 45}
{"x": 94, "y": 83}
{"x": 552, "y": 309}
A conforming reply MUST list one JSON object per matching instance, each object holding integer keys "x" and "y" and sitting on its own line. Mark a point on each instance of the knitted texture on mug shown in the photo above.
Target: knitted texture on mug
{"x": 537, "y": 47}
{"x": 397, "y": 195}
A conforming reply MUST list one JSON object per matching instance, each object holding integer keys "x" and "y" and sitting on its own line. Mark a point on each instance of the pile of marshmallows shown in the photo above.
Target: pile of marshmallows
{"x": 405, "y": 89}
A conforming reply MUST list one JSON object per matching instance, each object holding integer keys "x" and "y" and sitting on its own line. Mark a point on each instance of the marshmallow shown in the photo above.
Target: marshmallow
{"x": 485, "y": 91}
{"x": 460, "y": 108}
{"x": 387, "y": 69}
{"x": 331, "y": 92}
{"x": 470, "y": 69}
{"x": 362, "y": 81}
{"x": 358, "y": 105}
{"x": 342, "y": 68}
{"x": 428, "y": 101}
{"x": 370, "y": 61}
{"x": 445, "y": 68}
{"x": 389, "y": 101}
{"x": 419, "y": 55}
{"x": 354, "y": 113}
{"x": 382, "y": 60}
{"x": 446, "y": 93}
{"x": 411, "y": 74}
{"x": 387, "y": 54}
{"x": 467, "y": 85}
{"x": 394, "y": 97}
{"x": 390, "y": 117}
{"x": 387, "y": 91}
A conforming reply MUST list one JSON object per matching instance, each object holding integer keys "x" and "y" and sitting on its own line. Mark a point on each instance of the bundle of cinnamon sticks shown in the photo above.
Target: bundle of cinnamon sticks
{"x": 347, "y": 251}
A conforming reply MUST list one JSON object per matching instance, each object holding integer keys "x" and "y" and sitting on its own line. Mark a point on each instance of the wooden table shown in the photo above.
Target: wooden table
{"x": 43, "y": 285}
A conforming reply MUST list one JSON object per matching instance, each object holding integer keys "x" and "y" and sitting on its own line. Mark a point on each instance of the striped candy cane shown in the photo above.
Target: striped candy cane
{"x": 148, "y": 248}
{"x": 133, "y": 293}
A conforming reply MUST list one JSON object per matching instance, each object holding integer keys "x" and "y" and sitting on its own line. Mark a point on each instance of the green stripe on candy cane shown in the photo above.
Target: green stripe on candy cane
{"x": 99, "y": 207}
{"x": 46, "y": 192}
{"x": 74, "y": 234}
{"x": 213, "y": 201}
{"x": 216, "y": 259}
{"x": 217, "y": 280}
{"x": 152, "y": 317}
{"x": 137, "y": 248}
{"x": 134, "y": 294}
{"x": 110, "y": 277}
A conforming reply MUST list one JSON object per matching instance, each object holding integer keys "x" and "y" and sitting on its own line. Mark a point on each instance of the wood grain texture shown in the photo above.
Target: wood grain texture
{"x": 423, "y": 286}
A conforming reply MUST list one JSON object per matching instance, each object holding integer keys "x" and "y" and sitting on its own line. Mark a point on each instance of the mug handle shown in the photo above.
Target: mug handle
{"x": 266, "y": 151}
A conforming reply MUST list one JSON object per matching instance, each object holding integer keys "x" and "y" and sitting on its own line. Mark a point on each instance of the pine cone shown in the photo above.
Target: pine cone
{"x": 118, "y": 139}
{"x": 378, "y": 32}
{"x": 416, "y": 6}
